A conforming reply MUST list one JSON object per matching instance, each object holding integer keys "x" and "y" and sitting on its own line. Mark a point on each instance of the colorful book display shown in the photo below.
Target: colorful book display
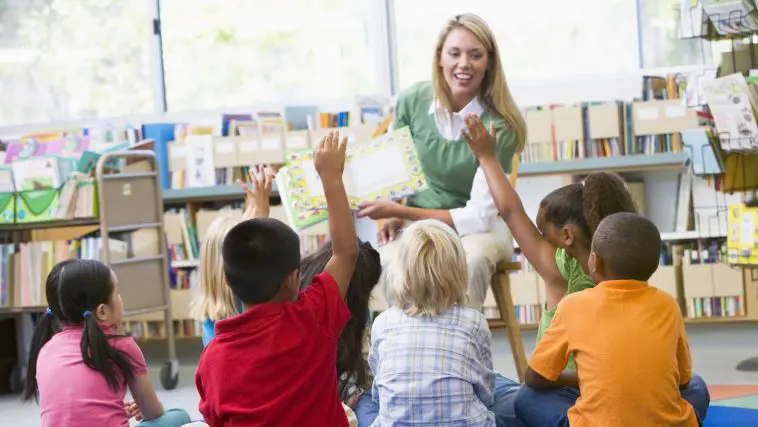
{"x": 382, "y": 168}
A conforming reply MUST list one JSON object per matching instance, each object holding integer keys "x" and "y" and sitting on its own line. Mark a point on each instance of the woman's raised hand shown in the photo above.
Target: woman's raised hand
{"x": 481, "y": 141}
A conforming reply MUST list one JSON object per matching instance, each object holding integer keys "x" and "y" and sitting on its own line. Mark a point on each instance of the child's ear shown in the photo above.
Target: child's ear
{"x": 596, "y": 266}
{"x": 292, "y": 282}
{"x": 102, "y": 312}
{"x": 568, "y": 233}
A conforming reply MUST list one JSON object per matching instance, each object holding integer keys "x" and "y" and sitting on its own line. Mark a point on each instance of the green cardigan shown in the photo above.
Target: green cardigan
{"x": 449, "y": 165}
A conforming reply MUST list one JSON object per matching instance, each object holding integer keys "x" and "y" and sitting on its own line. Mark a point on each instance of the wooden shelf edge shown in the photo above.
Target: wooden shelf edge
{"x": 719, "y": 320}
{"x": 630, "y": 163}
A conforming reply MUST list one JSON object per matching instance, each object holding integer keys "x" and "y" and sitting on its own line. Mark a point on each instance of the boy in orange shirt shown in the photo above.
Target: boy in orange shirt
{"x": 628, "y": 339}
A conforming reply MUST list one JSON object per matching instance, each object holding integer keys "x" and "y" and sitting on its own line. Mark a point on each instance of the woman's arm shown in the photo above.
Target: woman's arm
{"x": 536, "y": 249}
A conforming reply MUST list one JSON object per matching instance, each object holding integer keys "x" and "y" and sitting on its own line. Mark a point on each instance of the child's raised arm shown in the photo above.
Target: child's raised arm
{"x": 257, "y": 199}
{"x": 536, "y": 249}
{"x": 329, "y": 160}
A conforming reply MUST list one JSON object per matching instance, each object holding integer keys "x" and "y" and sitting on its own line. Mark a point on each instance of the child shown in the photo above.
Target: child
{"x": 80, "y": 373}
{"x": 274, "y": 364}
{"x": 214, "y": 300}
{"x": 559, "y": 247}
{"x": 430, "y": 354}
{"x": 352, "y": 375}
{"x": 629, "y": 341}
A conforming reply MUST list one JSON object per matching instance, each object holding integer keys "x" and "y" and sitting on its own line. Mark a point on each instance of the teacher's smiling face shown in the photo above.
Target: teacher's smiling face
{"x": 463, "y": 61}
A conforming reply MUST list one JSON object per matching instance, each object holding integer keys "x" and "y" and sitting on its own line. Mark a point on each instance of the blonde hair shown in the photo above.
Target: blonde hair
{"x": 494, "y": 92}
{"x": 428, "y": 276}
{"x": 214, "y": 300}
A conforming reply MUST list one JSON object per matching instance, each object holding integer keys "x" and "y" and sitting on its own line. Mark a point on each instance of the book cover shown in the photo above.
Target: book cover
{"x": 386, "y": 167}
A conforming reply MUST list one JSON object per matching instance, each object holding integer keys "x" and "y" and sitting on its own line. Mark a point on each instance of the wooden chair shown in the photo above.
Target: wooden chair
{"x": 500, "y": 284}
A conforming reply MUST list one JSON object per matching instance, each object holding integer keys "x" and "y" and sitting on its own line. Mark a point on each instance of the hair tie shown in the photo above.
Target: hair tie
{"x": 87, "y": 314}
{"x": 49, "y": 312}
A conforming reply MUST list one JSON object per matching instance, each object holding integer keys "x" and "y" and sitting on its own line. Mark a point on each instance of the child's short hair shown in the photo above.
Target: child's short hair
{"x": 428, "y": 276}
{"x": 258, "y": 255}
{"x": 586, "y": 204}
{"x": 629, "y": 246}
{"x": 214, "y": 301}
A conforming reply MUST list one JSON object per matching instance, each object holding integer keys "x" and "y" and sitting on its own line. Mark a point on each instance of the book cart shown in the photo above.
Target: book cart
{"x": 128, "y": 202}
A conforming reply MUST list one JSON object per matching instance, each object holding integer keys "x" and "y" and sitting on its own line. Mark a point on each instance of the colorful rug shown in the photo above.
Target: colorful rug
{"x": 732, "y": 406}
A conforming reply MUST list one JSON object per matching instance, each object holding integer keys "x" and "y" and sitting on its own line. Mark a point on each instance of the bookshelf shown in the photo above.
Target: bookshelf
{"x": 116, "y": 237}
{"x": 735, "y": 141}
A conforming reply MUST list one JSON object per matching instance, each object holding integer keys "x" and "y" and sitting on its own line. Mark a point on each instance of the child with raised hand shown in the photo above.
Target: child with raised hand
{"x": 632, "y": 356}
{"x": 558, "y": 247}
{"x": 214, "y": 301}
{"x": 430, "y": 354}
{"x": 79, "y": 367}
{"x": 274, "y": 364}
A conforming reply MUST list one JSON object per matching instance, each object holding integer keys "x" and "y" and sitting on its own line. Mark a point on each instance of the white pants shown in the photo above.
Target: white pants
{"x": 483, "y": 252}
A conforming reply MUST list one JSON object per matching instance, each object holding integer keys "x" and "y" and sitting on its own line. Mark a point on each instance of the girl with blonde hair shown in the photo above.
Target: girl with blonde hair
{"x": 467, "y": 78}
{"x": 214, "y": 299}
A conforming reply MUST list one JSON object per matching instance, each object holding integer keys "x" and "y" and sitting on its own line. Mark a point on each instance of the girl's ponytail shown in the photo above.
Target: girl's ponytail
{"x": 604, "y": 193}
{"x": 44, "y": 330}
{"x": 99, "y": 355}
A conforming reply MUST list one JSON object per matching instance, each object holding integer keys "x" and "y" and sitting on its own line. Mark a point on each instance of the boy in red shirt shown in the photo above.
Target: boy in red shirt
{"x": 273, "y": 365}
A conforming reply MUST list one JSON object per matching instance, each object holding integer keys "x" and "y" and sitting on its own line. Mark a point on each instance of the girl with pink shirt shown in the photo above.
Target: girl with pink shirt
{"x": 80, "y": 367}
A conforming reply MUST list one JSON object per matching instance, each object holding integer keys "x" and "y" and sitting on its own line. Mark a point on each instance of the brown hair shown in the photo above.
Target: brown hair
{"x": 368, "y": 269}
{"x": 584, "y": 205}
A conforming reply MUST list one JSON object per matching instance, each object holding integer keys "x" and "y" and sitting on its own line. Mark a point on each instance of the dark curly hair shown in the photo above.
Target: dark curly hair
{"x": 584, "y": 205}
{"x": 368, "y": 268}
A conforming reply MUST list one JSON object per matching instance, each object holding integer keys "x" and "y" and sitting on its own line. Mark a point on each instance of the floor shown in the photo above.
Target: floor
{"x": 716, "y": 350}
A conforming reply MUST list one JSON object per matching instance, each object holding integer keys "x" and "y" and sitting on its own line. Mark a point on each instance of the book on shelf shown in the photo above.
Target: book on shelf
{"x": 381, "y": 168}
{"x": 25, "y": 269}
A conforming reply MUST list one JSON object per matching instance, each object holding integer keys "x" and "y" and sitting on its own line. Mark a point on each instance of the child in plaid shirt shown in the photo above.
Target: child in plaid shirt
{"x": 430, "y": 354}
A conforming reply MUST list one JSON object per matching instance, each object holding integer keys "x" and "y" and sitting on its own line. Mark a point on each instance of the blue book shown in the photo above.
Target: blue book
{"x": 697, "y": 142}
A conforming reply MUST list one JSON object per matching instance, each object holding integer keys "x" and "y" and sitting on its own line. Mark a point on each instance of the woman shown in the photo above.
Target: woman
{"x": 467, "y": 77}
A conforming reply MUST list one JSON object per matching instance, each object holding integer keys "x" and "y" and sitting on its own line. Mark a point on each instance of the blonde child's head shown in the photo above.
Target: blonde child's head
{"x": 429, "y": 275}
{"x": 215, "y": 300}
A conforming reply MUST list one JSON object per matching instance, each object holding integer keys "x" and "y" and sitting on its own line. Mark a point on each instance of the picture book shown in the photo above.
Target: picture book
{"x": 386, "y": 167}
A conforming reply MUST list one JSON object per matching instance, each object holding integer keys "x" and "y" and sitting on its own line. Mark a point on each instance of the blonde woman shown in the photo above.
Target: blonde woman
{"x": 430, "y": 353}
{"x": 467, "y": 78}
{"x": 214, "y": 300}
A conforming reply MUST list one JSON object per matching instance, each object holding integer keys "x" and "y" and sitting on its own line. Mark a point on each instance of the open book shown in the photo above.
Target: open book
{"x": 386, "y": 167}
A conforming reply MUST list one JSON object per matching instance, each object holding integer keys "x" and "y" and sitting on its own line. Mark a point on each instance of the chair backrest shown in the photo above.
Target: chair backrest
{"x": 385, "y": 125}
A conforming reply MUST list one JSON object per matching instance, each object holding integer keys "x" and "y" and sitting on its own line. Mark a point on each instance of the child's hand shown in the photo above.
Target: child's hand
{"x": 132, "y": 410}
{"x": 481, "y": 141}
{"x": 329, "y": 157}
{"x": 257, "y": 203}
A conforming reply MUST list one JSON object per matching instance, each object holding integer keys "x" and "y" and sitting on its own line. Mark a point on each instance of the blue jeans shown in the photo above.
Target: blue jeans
{"x": 366, "y": 410}
{"x": 170, "y": 418}
{"x": 549, "y": 407}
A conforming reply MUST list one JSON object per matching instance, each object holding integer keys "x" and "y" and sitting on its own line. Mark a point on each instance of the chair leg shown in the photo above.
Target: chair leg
{"x": 501, "y": 288}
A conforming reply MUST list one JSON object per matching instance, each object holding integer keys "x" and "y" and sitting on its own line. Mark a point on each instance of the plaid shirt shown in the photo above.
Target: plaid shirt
{"x": 431, "y": 371}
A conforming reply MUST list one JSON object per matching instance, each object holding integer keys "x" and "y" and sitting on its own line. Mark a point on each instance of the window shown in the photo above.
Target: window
{"x": 243, "y": 53}
{"x": 660, "y": 35}
{"x": 538, "y": 40}
{"x": 71, "y": 59}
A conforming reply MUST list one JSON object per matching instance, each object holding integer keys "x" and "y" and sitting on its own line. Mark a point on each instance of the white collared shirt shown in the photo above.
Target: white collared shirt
{"x": 480, "y": 213}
